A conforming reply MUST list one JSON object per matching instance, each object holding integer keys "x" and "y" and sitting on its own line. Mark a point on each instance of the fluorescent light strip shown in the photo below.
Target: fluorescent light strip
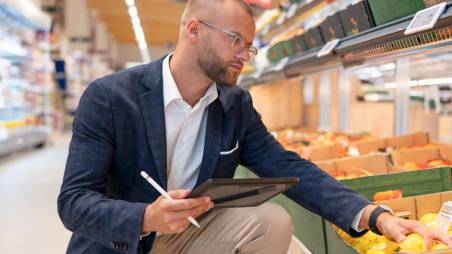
{"x": 422, "y": 82}
{"x": 138, "y": 30}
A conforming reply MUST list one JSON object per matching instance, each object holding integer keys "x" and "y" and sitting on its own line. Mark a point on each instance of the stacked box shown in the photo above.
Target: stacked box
{"x": 356, "y": 18}
{"x": 299, "y": 44}
{"x": 384, "y": 11}
{"x": 332, "y": 28}
{"x": 314, "y": 38}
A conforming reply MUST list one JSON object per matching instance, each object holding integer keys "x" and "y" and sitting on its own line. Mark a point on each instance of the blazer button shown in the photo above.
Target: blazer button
{"x": 124, "y": 246}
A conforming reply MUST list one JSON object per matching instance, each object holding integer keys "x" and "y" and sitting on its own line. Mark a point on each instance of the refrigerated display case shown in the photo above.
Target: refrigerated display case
{"x": 25, "y": 79}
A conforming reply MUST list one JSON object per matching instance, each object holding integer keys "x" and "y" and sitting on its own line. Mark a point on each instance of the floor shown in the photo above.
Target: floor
{"x": 29, "y": 186}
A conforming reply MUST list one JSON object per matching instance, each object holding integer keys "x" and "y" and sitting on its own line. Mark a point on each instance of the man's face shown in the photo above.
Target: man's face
{"x": 216, "y": 56}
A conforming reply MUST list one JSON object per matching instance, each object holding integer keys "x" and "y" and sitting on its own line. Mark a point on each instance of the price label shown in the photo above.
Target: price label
{"x": 328, "y": 48}
{"x": 293, "y": 8}
{"x": 425, "y": 19}
{"x": 281, "y": 64}
{"x": 281, "y": 18}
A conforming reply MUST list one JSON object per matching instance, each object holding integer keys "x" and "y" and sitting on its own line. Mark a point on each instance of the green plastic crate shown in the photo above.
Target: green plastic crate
{"x": 384, "y": 11}
{"x": 316, "y": 233}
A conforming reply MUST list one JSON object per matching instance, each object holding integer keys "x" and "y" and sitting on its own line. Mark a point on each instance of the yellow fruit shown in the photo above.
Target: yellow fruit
{"x": 410, "y": 166}
{"x": 375, "y": 251}
{"x": 429, "y": 219}
{"x": 439, "y": 246}
{"x": 413, "y": 243}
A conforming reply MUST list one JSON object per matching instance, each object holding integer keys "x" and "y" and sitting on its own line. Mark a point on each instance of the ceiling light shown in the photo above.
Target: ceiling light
{"x": 142, "y": 45}
{"x": 136, "y": 21}
{"x": 133, "y": 12}
{"x": 130, "y": 2}
{"x": 138, "y": 30}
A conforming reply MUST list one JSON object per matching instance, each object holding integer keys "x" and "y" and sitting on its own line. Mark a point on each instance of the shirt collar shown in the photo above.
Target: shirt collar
{"x": 171, "y": 91}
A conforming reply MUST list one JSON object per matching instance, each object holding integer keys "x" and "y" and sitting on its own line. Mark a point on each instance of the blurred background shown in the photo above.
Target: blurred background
{"x": 378, "y": 92}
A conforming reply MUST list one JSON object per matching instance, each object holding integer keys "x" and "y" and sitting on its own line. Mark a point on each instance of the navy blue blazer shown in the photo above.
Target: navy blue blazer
{"x": 119, "y": 130}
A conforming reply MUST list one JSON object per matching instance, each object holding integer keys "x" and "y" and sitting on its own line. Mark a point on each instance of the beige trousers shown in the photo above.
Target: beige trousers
{"x": 263, "y": 229}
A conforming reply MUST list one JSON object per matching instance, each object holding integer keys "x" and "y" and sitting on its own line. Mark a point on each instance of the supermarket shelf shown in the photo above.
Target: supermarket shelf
{"x": 21, "y": 140}
{"x": 310, "y": 63}
{"x": 301, "y": 14}
{"x": 383, "y": 42}
{"x": 389, "y": 40}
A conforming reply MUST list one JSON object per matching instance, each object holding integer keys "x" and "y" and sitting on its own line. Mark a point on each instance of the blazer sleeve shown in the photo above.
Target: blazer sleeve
{"x": 83, "y": 205}
{"x": 317, "y": 191}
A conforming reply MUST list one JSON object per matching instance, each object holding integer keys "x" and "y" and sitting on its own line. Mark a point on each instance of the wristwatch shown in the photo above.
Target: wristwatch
{"x": 374, "y": 215}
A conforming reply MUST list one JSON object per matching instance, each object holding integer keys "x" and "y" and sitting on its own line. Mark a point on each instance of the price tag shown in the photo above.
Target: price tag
{"x": 281, "y": 64}
{"x": 425, "y": 19}
{"x": 293, "y": 8}
{"x": 328, "y": 48}
{"x": 281, "y": 18}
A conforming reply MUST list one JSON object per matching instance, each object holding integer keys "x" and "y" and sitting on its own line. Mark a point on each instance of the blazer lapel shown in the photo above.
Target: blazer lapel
{"x": 151, "y": 105}
{"x": 212, "y": 145}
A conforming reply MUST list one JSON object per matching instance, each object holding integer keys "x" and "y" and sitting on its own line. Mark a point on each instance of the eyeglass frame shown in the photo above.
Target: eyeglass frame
{"x": 252, "y": 50}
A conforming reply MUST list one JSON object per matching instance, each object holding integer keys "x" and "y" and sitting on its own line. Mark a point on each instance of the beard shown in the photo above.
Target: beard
{"x": 215, "y": 67}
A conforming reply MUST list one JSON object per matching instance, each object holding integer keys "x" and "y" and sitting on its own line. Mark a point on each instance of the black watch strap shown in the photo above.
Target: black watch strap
{"x": 373, "y": 219}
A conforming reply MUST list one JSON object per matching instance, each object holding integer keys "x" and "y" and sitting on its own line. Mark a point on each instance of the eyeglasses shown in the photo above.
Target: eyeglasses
{"x": 238, "y": 43}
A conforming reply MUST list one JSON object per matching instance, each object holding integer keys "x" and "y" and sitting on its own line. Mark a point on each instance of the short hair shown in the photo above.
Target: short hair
{"x": 194, "y": 6}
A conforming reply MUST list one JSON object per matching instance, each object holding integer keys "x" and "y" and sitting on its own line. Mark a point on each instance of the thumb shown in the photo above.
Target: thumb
{"x": 179, "y": 194}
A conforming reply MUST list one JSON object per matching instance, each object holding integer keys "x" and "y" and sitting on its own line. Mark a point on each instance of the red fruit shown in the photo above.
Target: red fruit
{"x": 422, "y": 165}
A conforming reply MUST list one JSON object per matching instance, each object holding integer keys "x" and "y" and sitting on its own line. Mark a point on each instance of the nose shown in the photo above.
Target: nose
{"x": 244, "y": 56}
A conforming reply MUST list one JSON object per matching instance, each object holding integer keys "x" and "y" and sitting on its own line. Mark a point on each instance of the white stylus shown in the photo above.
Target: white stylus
{"x": 164, "y": 194}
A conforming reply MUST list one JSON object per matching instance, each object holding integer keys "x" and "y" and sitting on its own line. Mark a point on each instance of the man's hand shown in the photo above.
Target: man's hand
{"x": 396, "y": 229}
{"x": 170, "y": 216}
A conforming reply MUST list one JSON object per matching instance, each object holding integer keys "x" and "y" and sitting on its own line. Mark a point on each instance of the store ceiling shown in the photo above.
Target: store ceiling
{"x": 159, "y": 19}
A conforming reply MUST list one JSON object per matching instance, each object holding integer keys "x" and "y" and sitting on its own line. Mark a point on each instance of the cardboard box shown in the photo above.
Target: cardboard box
{"x": 332, "y": 28}
{"x": 319, "y": 153}
{"x": 419, "y": 205}
{"x": 369, "y": 146}
{"x": 288, "y": 48}
{"x": 314, "y": 38}
{"x": 356, "y": 18}
{"x": 420, "y": 156}
{"x": 406, "y": 141}
{"x": 299, "y": 43}
{"x": 374, "y": 164}
{"x": 404, "y": 206}
{"x": 327, "y": 166}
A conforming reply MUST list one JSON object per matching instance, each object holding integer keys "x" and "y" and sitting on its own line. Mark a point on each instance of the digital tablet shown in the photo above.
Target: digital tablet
{"x": 226, "y": 192}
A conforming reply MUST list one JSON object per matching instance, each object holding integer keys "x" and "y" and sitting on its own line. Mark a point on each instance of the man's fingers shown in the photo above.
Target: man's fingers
{"x": 194, "y": 212}
{"x": 425, "y": 233}
{"x": 184, "y": 204}
{"x": 398, "y": 236}
{"x": 179, "y": 194}
{"x": 442, "y": 237}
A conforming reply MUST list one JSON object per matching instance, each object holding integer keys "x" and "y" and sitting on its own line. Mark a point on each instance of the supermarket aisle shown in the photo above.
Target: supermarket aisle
{"x": 29, "y": 185}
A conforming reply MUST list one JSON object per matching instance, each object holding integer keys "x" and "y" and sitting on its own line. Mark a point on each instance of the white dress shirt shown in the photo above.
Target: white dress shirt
{"x": 185, "y": 131}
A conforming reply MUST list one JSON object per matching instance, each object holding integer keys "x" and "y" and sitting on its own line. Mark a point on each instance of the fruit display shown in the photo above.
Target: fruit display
{"x": 424, "y": 207}
{"x": 350, "y": 173}
{"x": 387, "y": 195}
{"x": 435, "y": 163}
{"x": 371, "y": 243}
{"x": 303, "y": 143}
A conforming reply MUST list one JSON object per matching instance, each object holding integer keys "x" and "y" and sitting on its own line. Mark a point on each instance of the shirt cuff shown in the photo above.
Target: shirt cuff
{"x": 356, "y": 220}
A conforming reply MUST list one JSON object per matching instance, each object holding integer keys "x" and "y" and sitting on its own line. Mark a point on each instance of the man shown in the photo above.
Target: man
{"x": 182, "y": 120}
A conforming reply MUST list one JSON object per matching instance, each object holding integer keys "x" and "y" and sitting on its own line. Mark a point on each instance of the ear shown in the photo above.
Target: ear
{"x": 193, "y": 30}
